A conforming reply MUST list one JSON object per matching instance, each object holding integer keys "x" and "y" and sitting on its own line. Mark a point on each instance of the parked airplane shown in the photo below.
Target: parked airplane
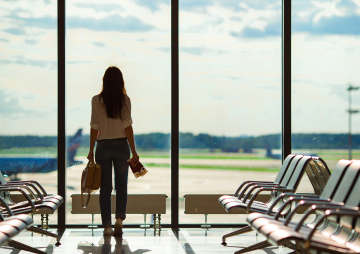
{"x": 11, "y": 166}
{"x": 277, "y": 156}
{"x": 269, "y": 154}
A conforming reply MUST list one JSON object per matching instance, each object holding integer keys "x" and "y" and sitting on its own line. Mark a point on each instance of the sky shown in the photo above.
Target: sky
{"x": 230, "y": 64}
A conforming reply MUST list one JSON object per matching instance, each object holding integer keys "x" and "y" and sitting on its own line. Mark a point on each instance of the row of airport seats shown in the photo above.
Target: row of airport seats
{"x": 12, "y": 226}
{"x": 14, "y": 215}
{"x": 335, "y": 227}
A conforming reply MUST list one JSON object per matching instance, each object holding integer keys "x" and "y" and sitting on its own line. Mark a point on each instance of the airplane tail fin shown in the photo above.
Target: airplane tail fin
{"x": 268, "y": 152}
{"x": 73, "y": 145}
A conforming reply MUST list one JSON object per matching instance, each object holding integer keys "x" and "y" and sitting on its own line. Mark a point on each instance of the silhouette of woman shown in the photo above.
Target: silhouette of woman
{"x": 111, "y": 127}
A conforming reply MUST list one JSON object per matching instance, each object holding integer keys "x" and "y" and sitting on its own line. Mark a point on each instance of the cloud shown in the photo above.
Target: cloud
{"x": 164, "y": 49}
{"x": 98, "y": 44}
{"x": 331, "y": 25}
{"x": 347, "y": 6}
{"x": 46, "y": 22}
{"x": 320, "y": 18}
{"x": 195, "y": 6}
{"x": 78, "y": 62}
{"x": 15, "y": 31}
{"x": 111, "y": 23}
{"x": 20, "y": 59}
{"x": 238, "y": 19}
{"x": 10, "y": 108}
{"x": 198, "y": 50}
{"x": 271, "y": 29}
{"x": 31, "y": 42}
{"x": 193, "y": 50}
{"x": 237, "y": 6}
{"x": 225, "y": 76}
{"x": 100, "y": 7}
{"x": 153, "y": 5}
{"x": 4, "y": 40}
{"x": 234, "y": 5}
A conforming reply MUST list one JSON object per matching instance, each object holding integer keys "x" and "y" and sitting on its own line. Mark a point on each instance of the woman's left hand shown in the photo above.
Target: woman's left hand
{"x": 91, "y": 156}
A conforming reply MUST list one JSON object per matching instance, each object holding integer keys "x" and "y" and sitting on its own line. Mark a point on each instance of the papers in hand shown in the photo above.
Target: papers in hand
{"x": 138, "y": 169}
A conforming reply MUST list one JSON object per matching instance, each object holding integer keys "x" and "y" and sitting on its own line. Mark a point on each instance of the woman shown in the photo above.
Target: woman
{"x": 111, "y": 127}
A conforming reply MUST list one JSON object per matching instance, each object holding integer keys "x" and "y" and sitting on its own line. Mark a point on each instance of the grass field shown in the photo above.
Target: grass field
{"x": 194, "y": 158}
{"x": 259, "y": 154}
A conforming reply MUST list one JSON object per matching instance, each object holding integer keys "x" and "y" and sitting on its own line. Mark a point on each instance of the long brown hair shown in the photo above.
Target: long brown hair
{"x": 113, "y": 92}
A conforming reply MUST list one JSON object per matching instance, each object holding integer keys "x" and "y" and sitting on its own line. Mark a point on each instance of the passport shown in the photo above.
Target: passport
{"x": 138, "y": 169}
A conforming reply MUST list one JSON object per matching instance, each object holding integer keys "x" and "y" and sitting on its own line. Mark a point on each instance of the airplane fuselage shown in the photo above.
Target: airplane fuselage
{"x": 14, "y": 165}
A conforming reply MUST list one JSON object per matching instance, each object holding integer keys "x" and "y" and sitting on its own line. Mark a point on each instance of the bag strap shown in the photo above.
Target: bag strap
{"x": 82, "y": 199}
{"x": 82, "y": 191}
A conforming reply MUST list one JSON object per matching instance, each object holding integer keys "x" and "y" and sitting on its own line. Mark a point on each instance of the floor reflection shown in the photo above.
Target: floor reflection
{"x": 109, "y": 245}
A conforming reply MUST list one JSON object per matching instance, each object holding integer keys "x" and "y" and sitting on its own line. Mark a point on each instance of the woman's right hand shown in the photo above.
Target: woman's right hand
{"x": 91, "y": 155}
{"x": 135, "y": 158}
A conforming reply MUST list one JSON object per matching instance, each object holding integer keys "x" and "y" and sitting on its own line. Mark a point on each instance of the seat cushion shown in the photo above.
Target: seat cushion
{"x": 18, "y": 224}
{"x": 23, "y": 217}
{"x": 3, "y": 238}
{"x": 9, "y": 230}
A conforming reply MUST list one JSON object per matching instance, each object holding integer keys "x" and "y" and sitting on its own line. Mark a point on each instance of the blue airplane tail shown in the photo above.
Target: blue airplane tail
{"x": 73, "y": 145}
{"x": 269, "y": 154}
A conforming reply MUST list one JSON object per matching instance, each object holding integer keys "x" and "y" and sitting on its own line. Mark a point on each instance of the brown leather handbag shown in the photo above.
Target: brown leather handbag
{"x": 90, "y": 180}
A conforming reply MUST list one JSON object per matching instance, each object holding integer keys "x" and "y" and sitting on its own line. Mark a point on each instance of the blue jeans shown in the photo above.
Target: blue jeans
{"x": 109, "y": 152}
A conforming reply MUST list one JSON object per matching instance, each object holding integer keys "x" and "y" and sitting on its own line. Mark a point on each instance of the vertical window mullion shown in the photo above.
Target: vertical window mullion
{"x": 174, "y": 113}
{"x": 286, "y": 78}
{"x": 61, "y": 151}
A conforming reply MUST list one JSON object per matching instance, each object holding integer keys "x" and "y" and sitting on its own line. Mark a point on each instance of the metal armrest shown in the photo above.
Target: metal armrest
{"x": 343, "y": 211}
{"x": 256, "y": 184}
{"x": 319, "y": 204}
{"x": 307, "y": 194}
{"x": 40, "y": 196}
{"x": 249, "y": 193}
{"x": 34, "y": 182}
{"x": 22, "y": 187}
{"x": 248, "y": 182}
{"x": 292, "y": 196}
{"x": 22, "y": 192}
{"x": 3, "y": 203}
{"x": 294, "y": 199}
{"x": 265, "y": 189}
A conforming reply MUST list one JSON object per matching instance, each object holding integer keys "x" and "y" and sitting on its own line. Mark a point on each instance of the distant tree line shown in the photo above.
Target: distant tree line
{"x": 27, "y": 141}
{"x": 189, "y": 140}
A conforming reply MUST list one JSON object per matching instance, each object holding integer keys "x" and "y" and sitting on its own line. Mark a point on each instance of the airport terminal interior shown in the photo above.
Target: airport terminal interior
{"x": 245, "y": 115}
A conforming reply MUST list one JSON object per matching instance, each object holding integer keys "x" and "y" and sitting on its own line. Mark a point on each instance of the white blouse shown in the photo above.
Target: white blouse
{"x": 109, "y": 128}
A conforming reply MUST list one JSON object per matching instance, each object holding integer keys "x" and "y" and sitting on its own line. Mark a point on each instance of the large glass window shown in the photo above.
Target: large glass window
{"x": 134, "y": 36}
{"x": 28, "y": 92}
{"x": 230, "y": 97}
{"x": 325, "y": 63}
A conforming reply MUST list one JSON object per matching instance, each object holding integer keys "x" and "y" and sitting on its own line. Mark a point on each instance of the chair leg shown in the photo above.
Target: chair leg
{"x": 289, "y": 245}
{"x": 237, "y": 232}
{"x": 44, "y": 232}
{"x": 47, "y": 221}
{"x": 21, "y": 246}
{"x": 255, "y": 246}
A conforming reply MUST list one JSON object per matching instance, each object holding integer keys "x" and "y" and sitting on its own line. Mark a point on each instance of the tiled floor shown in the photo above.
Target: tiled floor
{"x": 137, "y": 241}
